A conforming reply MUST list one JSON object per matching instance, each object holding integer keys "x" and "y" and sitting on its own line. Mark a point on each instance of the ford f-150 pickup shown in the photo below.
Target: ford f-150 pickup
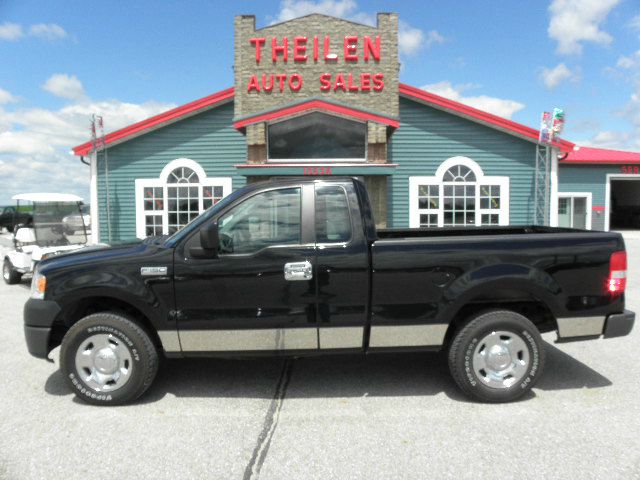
{"x": 296, "y": 267}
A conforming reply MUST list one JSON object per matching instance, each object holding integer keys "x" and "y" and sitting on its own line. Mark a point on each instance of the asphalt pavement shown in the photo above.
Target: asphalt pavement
{"x": 385, "y": 416}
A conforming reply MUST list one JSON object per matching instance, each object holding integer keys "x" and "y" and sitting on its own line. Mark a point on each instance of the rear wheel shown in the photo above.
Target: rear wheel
{"x": 107, "y": 359}
{"x": 497, "y": 356}
{"x": 11, "y": 275}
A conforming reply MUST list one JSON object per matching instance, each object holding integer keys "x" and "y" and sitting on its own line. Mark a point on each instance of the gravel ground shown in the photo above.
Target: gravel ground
{"x": 389, "y": 416}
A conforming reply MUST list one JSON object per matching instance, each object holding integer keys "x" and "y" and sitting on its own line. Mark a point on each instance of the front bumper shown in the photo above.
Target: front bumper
{"x": 619, "y": 324}
{"x": 38, "y": 322}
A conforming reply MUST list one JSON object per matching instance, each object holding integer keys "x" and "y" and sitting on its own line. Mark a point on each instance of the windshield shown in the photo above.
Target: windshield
{"x": 203, "y": 217}
{"x": 55, "y": 224}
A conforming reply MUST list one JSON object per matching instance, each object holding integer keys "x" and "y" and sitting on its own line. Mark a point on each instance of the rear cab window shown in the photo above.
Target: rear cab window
{"x": 333, "y": 219}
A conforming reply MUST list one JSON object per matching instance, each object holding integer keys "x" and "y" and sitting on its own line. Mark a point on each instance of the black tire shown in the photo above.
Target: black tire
{"x": 10, "y": 228}
{"x": 11, "y": 275}
{"x": 469, "y": 343}
{"x": 123, "y": 332}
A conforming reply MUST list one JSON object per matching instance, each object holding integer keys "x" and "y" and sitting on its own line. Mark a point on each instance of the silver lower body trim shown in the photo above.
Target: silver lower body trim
{"x": 249, "y": 340}
{"x": 407, "y": 335}
{"x": 301, "y": 338}
{"x": 341, "y": 337}
{"x": 170, "y": 340}
{"x": 580, "y": 326}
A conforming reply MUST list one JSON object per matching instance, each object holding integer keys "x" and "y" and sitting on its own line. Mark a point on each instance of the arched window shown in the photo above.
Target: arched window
{"x": 458, "y": 195}
{"x": 166, "y": 204}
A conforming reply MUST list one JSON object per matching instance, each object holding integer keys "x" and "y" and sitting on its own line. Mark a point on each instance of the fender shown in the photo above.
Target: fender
{"x": 488, "y": 281}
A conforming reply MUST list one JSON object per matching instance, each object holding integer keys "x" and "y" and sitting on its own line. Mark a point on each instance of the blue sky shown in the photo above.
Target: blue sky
{"x": 62, "y": 61}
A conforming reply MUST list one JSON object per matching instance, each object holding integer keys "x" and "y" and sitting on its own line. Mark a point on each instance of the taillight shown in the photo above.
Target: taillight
{"x": 617, "y": 281}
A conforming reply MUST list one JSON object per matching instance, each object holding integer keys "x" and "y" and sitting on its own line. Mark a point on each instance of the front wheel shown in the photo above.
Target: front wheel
{"x": 107, "y": 359}
{"x": 497, "y": 356}
{"x": 10, "y": 275}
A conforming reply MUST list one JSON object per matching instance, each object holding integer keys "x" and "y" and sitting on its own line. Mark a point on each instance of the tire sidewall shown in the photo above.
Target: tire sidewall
{"x": 14, "y": 276}
{"x": 104, "y": 324}
{"x": 517, "y": 325}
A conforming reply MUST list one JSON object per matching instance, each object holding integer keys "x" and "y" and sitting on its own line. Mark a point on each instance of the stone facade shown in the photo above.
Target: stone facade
{"x": 321, "y": 26}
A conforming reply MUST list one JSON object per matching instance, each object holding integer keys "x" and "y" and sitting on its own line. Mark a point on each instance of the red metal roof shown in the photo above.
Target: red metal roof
{"x": 210, "y": 101}
{"x": 159, "y": 120}
{"x": 481, "y": 116}
{"x": 588, "y": 155}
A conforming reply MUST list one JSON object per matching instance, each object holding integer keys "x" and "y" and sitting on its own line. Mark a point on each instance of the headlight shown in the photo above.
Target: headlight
{"x": 38, "y": 285}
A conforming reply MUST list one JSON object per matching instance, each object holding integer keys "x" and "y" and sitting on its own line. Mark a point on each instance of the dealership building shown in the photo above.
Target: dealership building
{"x": 319, "y": 96}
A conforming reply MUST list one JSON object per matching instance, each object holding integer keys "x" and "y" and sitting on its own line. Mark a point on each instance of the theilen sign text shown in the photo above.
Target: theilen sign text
{"x": 302, "y": 50}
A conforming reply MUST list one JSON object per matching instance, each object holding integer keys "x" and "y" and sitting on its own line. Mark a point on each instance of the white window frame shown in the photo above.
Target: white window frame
{"x": 162, "y": 181}
{"x": 587, "y": 195}
{"x": 437, "y": 179}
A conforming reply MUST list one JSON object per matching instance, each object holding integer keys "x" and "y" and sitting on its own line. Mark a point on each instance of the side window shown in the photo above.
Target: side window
{"x": 269, "y": 218}
{"x": 333, "y": 222}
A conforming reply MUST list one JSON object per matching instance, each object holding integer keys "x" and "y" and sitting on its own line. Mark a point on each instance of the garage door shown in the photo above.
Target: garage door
{"x": 625, "y": 204}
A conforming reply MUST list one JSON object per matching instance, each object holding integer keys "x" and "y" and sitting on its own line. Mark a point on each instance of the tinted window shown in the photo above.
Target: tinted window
{"x": 333, "y": 222}
{"x": 269, "y": 218}
{"x": 317, "y": 135}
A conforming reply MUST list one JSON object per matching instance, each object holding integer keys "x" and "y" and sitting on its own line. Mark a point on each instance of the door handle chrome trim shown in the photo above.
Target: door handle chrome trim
{"x": 298, "y": 271}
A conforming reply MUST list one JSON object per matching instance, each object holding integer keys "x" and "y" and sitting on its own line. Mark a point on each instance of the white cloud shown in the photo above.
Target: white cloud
{"x": 552, "y": 77}
{"x": 65, "y": 86}
{"x": 574, "y": 22}
{"x": 290, "y": 9}
{"x": 410, "y": 39}
{"x": 6, "y": 97}
{"x": 11, "y": 31}
{"x": 498, "y": 106}
{"x": 35, "y": 142}
{"x": 48, "y": 31}
{"x": 632, "y": 62}
{"x": 610, "y": 139}
{"x": 45, "y": 31}
{"x": 634, "y": 23}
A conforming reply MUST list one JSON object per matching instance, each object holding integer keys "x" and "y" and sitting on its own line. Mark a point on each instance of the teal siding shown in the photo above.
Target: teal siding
{"x": 587, "y": 178}
{"x": 208, "y": 138}
{"x": 427, "y": 137}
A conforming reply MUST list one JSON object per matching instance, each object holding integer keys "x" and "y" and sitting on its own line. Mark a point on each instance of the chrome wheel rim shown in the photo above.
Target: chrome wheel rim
{"x": 6, "y": 273}
{"x": 103, "y": 362}
{"x": 501, "y": 359}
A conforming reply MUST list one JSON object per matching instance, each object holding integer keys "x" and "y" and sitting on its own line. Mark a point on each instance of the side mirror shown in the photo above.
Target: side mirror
{"x": 209, "y": 242}
{"x": 209, "y": 239}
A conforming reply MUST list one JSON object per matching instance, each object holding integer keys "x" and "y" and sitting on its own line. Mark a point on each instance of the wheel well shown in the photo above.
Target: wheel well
{"x": 90, "y": 305}
{"x": 531, "y": 308}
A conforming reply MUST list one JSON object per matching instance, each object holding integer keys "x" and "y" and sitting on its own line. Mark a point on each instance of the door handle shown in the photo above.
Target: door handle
{"x": 298, "y": 271}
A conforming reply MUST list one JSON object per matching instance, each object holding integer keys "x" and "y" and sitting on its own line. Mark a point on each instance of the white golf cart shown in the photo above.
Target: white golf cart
{"x": 44, "y": 234}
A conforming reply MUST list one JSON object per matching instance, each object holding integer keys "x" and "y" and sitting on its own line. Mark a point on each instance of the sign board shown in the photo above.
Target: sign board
{"x": 316, "y": 56}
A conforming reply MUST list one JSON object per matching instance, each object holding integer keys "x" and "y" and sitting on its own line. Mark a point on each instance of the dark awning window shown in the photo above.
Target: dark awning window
{"x": 317, "y": 135}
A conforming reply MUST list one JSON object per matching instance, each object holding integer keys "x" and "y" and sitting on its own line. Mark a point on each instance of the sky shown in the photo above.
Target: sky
{"x": 62, "y": 61}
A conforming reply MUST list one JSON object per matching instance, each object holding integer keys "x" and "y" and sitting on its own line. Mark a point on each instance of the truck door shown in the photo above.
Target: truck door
{"x": 342, "y": 266}
{"x": 259, "y": 294}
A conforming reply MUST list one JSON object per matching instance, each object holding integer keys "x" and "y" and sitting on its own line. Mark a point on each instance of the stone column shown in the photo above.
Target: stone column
{"x": 257, "y": 143}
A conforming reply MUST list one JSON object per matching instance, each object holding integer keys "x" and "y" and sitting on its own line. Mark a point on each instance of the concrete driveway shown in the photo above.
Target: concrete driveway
{"x": 387, "y": 416}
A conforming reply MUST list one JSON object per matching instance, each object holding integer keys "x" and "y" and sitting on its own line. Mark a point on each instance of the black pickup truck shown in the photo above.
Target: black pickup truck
{"x": 296, "y": 267}
{"x": 9, "y": 218}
